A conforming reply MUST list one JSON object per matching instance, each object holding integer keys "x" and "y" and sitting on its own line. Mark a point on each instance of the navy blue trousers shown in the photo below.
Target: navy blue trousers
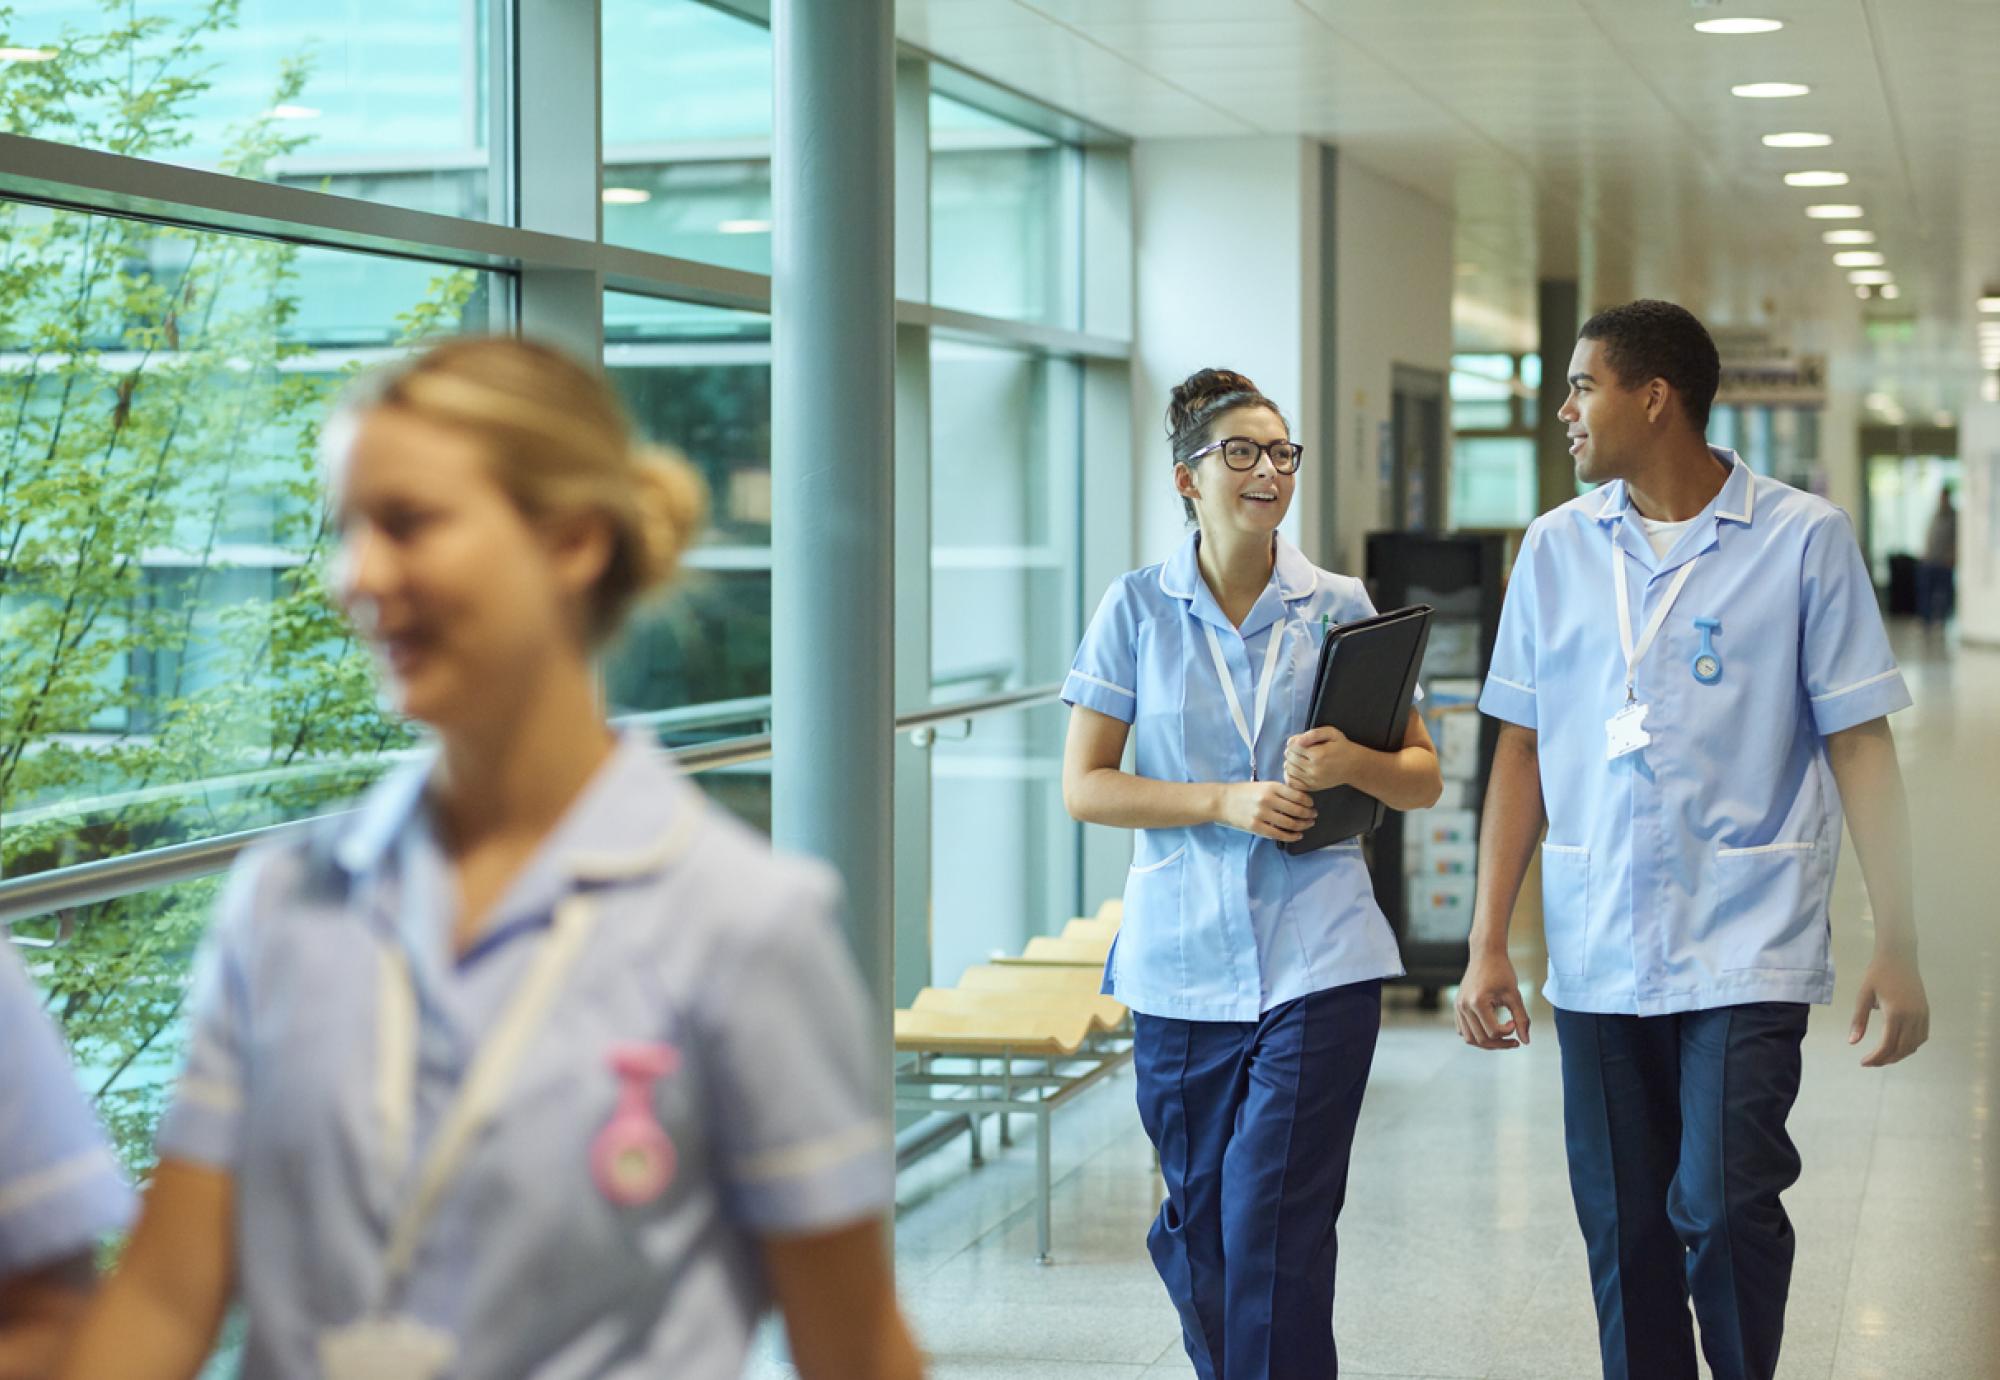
{"x": 1254, "y": 1121}
{"x": 1677, "y": 1155}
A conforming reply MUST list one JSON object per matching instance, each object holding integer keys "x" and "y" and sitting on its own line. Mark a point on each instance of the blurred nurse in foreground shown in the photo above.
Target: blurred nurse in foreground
{"x": 537, "y": 1064}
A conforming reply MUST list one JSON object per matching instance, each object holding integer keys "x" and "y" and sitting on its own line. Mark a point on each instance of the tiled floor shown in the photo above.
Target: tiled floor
{"x": 1459, "y": 1253}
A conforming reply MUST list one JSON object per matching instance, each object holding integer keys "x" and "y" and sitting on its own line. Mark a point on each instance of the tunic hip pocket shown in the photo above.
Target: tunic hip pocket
{"x": 1566, "y": 906}
{"x": 1769, "y": 911}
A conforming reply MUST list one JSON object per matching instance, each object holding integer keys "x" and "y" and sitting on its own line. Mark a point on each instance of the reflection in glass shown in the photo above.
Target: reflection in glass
{"x": 687, "y": 132}
{"x": 1004, "y": 853}
{"x": 1004, "y": 485}
{"x": 312, "y": 93}
{"x": 695, "y": 664}
{"x": 1005, "y": 218}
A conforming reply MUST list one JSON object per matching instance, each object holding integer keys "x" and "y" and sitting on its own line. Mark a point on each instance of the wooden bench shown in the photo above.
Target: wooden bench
{"x": 1016, "y": 1036}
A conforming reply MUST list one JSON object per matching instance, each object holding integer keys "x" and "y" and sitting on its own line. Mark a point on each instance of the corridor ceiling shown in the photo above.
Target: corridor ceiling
{"x": 1595, "y": 139}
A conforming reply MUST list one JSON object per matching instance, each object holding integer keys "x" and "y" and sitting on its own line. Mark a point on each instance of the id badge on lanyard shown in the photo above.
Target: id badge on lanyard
{"x": 385, "y": 1349}
{"x": 1625, "y": 732}
{"x": 385, "y": 1345}
{"x": 1246, "y": 729}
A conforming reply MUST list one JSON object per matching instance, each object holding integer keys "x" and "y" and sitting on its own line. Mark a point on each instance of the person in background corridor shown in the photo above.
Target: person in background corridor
{"x": 1937, "y": 593}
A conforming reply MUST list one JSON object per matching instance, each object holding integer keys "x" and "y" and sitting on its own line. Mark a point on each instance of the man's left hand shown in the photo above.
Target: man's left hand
{"x": 1893, "y": 986}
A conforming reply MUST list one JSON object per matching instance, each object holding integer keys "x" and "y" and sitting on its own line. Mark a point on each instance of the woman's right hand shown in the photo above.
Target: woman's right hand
{"x": 1269, "y": 809}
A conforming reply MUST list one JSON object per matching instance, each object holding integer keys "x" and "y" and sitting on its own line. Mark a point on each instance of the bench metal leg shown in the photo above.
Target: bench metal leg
{"x": 1006, "y": 1119}
{"x": 1043, "y": 1187}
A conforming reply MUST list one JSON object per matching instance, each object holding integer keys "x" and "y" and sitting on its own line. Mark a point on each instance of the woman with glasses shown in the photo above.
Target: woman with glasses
{"x": 1254, "y": 975}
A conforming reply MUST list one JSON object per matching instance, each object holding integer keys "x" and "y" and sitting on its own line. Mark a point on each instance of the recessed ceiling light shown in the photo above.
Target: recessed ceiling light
{"x": 1832, "y": 211}
{"x": 1797, "y": 139}
{"x": 1863, "y": 293}
{"x": 1816, "y": 178}
{"x": 294, "y": 112}
{"x": 626, "y": 196}
{"x": 745, "y": 227}
{"x": 1891, "y": 291}
{"x": 1739, "y": 26}
{"x": 1847, "y": 237}
{"x": 1769, "y": 90}
{"x": 1859, "y": 258}
{"x": 1874, "y": 277}
{"x": 1989, "y": 304}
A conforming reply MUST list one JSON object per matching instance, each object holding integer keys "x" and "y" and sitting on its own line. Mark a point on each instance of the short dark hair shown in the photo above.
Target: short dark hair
{"x": 1649, "y": 339}
{"x": 1197, "y": 401}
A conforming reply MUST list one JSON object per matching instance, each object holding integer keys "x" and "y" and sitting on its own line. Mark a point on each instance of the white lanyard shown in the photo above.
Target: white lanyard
{"x": 1635, "y": 655}
{"x": 478, "y": 1096}
{"x": 1263, "y": 691}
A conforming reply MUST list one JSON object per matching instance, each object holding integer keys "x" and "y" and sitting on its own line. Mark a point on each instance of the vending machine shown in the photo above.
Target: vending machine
{"x": 1424, "y": 863}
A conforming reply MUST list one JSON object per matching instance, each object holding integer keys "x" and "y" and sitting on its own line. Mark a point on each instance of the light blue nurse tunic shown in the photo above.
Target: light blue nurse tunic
{"x": 61, "y": 1190}
{"x": 1223, "y": 925}
{"x": 1696, "y": 872}
{"x": 713, "y": 945}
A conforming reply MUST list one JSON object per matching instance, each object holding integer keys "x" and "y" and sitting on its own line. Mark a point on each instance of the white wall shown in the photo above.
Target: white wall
{"x": 1979, "y": 524}
{"x": 1230, "y": 251}
{"x": 1227, "y": 277}
{"x": 1392, "y": 305}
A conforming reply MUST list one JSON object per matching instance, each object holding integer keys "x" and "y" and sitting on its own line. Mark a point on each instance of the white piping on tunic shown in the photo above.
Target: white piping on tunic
{"x": 1116, "y": 689}
{"x": 1858, "y": 685}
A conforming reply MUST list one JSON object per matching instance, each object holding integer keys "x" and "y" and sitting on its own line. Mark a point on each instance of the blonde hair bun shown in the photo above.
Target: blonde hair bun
{"x": 673, "y": 503}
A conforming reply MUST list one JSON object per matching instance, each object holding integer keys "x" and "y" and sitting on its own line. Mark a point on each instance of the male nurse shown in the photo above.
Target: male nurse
{"x": 61, "y": 1191}
{"x": 1694, "y": 684}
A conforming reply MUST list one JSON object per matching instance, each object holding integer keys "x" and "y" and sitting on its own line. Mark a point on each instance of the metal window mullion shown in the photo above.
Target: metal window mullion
{"x": 89, "y": 180}
{"x": 1025, "y": 335}
{"x": 558, "y": 147}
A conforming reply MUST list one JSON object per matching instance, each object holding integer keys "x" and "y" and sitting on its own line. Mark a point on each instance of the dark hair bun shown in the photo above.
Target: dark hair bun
{"x": 1197, "y": 399}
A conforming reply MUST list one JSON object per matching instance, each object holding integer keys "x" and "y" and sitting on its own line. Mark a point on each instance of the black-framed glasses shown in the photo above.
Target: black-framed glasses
{"x": 1240, "y": 453}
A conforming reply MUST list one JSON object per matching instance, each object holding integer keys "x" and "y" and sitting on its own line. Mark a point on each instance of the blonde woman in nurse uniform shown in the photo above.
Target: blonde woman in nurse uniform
{"x": 1255, "y": 976}
{"x": 536, "y": 1064}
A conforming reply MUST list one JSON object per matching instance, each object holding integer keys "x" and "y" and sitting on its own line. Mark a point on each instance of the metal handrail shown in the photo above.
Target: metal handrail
{"x": 107, "y": 879}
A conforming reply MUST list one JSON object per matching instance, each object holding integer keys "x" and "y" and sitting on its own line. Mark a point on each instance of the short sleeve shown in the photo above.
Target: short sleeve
{"x": 800, "y": 1104}
{"x": 61, "y": 1190}
{"x": 1844, "y": 657}
{"x": 203, "y": 1122}
{"x": 1509, "y": 691}
{"x": 1105, "y": 673}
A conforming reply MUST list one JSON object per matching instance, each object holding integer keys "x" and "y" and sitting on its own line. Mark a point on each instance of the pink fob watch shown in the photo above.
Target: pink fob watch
{"x": 632, "y": 1159}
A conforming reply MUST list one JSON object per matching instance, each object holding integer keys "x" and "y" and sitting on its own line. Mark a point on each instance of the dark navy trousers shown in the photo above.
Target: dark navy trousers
{"x": 1253, "y": 1121}
{"x": 1677, "y": 1154}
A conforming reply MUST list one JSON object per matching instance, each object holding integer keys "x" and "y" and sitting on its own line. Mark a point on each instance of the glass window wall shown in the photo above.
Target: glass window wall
{"x": 687, "y": 132}
{"x": 310, "y": 93}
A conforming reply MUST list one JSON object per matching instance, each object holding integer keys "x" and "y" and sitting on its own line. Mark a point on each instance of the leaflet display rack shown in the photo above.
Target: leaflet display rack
{"x": 1424, "y": 864}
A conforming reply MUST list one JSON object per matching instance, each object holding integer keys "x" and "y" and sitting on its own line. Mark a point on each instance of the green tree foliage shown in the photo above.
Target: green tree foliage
{"x": 159, "y": 412}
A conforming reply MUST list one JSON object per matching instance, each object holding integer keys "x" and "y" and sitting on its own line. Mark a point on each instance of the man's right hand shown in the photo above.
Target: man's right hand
{"x": 1488, "y": 989}
{"x": 1269, "y": 809}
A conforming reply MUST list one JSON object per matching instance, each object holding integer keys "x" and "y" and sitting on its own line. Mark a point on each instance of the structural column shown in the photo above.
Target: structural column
{"x": 833, "y": 343}
{"x": 1556, "y": 310}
